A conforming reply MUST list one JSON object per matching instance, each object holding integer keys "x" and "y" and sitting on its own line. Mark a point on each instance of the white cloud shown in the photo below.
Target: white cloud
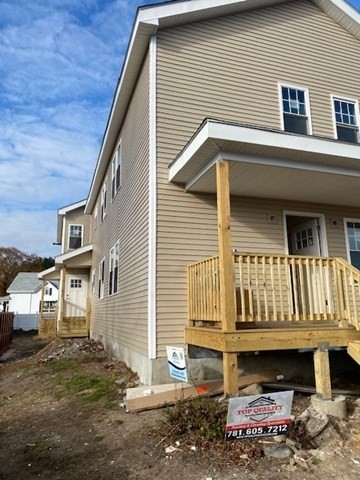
{"x": 60, "y": 62}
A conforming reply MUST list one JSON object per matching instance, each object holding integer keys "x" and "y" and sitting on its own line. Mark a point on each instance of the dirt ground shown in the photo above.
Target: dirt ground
{"x": 60, "y": 419}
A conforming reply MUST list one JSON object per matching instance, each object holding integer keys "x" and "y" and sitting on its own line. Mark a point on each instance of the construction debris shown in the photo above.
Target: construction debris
{"x": 139, "y": 399}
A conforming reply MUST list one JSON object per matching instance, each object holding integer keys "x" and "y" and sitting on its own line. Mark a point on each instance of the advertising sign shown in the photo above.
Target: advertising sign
{"x": 259, "y": 415}
{"x": 176, "y": 362}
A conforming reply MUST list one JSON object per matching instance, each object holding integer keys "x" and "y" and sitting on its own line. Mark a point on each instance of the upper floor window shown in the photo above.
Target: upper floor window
{"x": 295, "y": 110}
{"x": 115, "y": 171}
{"x": 96, "y": 214}
{"x": 101, "y": 279}
{"x": 48, "y": 291}
{"x": 114, "y": 269}
{"x": 346, "y": 120}
{"x": 103, "y": 201}
{"x": 75, "y": 236}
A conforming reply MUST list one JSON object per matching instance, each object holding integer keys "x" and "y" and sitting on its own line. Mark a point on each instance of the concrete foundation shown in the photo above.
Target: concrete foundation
{"x": 335, "y": 407}
{"x": 208, "y": 364}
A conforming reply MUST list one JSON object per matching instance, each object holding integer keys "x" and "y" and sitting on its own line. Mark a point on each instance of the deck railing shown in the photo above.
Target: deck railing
{"x": 278, "y": 288}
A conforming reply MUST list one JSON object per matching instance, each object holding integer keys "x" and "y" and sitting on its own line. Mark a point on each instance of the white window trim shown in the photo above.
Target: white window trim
{"x": 113, "y": 249}
{"x": 346, "y": 99}
{"x": 102, "y": 196}
{"x": 323, "y": 231}
{"x": 102, "y": 294}
{"x": 93, "y": 281}
{"x": 113, "y": 174}
{"x": 82, "y": 234}
{"x": 307, "y": 104}
{"x": 347, "y": 243}
{"x": 96, "y": 215}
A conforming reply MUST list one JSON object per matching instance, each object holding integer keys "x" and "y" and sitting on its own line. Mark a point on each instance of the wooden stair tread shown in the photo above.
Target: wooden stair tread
{"x": 354, "y": 350}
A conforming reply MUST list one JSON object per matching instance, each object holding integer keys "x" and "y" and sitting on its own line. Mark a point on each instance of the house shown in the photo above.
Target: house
{"x": 225, "y": 201}
{"x": 71, "y": 270}
{"x": 26, "y": 296}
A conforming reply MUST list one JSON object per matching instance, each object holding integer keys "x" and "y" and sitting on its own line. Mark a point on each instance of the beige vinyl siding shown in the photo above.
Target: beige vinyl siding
{"x": 229, "y": 68}
{"x": 77, "y": 217}
{"x": 122, "y": 317}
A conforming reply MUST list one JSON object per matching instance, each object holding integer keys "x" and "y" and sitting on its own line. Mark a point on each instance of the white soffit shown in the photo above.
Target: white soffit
{"x": 272, "y": 145}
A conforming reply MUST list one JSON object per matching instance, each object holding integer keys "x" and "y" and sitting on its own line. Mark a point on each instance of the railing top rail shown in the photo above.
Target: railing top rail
{"x": 281, "y": 255}
{"x": 203, "y": 260}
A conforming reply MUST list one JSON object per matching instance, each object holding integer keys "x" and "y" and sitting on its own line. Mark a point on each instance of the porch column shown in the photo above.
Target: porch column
{"x": 322, "y": 371}
{"x": 61, "y": 298}
{"x": 227, "y": 274}
{"x": 42, "y": 299}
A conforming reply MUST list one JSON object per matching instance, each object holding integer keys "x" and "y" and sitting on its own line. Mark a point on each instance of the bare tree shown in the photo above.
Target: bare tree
{"x": 13, "y": 261}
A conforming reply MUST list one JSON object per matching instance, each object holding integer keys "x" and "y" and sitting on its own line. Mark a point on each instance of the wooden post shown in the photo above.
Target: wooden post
{"x": 322, "y": 371}
{"x": 62, "y": 299}
{"x": 41, "y": 320}
{"x": 227, "y": 275}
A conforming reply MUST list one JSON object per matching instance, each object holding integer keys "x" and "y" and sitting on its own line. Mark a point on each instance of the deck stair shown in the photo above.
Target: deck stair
{"x": 354, "y": 351}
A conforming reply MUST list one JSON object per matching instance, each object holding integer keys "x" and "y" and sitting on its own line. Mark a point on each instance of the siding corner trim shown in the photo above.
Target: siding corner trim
{"x": 152, "y": 343}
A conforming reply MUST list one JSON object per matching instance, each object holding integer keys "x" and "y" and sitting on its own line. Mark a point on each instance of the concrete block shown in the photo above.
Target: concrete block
{"x": 254, "y": 389}
{"x": 335, "y": 407}
{"x": 314, "y": 419}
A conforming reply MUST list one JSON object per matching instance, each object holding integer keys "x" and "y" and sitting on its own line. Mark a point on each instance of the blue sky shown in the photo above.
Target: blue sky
{"x": 59, "y": 65}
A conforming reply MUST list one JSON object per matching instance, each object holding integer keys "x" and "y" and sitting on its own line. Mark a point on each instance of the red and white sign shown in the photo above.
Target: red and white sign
{"x": 259, "y": 415}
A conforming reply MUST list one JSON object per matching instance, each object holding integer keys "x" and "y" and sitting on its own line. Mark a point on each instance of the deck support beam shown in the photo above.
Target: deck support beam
{"x": 227, "y": 274}
{"x": 322, "y": 372}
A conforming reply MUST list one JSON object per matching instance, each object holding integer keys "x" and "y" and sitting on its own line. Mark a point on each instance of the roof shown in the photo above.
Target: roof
{"x": 263, "y": 162}
{"x": 152, "y": 18}
{"x": 25, "y": 282}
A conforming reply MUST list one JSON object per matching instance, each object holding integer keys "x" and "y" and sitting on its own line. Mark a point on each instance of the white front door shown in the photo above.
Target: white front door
{"x": 305, "y": 238}
{"x": 75, "y": 295}
{"x": 312, "y": 284}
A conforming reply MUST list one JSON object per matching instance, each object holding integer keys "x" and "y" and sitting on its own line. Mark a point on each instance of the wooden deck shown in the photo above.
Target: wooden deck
{"x": 276, "y": 290}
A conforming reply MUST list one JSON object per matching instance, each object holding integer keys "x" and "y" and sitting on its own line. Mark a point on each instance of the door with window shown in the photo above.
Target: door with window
{"x": 310, "y": 286}
{"x": 75, "y": 296}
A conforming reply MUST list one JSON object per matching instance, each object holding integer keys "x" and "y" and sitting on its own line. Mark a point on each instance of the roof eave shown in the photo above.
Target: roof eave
{"x": 148, "y": 21}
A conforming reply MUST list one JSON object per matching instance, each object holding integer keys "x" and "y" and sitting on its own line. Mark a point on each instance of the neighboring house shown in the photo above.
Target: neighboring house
{"x": 257, "y": 101}
{"x": 71, "y": 270}
{"x": 25, "y": 299}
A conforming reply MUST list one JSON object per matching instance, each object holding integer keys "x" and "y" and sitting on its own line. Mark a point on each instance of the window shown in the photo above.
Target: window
{"x": 352, "y": 228}
{"x": 114, "y": 269}
{"x": 101, "y": 278}
{"x": 75, "y": 283}
{"x": 48, "y": 291}
{"x": 96, "y": 214}
{"x": 93, "y": 284}
{"x": 115, "y": 172}
{"x": 103, "y": 201}
{"x": 75, "y": 236}
{"x": 346, "y": 120}
{"x": 295, "y": 110}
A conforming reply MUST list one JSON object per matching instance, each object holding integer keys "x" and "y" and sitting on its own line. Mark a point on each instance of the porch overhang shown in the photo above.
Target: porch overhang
{"x": 52, "y": 273}
{"x": 270, "y": 164}
{"x": 79, "y": 258}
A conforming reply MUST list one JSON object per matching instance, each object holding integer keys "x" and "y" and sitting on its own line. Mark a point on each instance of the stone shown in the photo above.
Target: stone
{"x": 328, "y": 437}
{"x": 334, "y": 407}
{"x": 254, "y": 389}
{"x": 279, "y": 438}
{"x": 277, "y": 450}
{"x": 314, "y": 420}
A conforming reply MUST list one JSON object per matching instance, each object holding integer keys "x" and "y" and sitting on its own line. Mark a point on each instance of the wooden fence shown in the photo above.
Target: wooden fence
{"x": 6, "y": 330}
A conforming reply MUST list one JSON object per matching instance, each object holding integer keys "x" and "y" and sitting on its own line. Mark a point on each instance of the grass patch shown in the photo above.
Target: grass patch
{"x": 62, "y": 365}
{"x": 89, "y": 389}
